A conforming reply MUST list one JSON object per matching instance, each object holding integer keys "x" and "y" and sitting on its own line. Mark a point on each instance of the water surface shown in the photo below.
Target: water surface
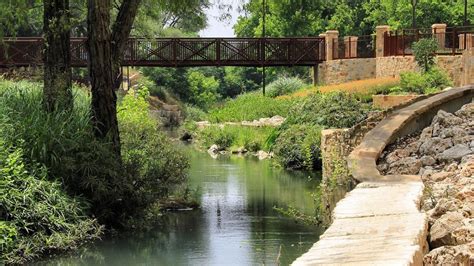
{"x": 236, "y": 224}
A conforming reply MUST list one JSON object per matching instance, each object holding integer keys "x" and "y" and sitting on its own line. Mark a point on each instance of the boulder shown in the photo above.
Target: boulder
{"x": 214, "y": 149}
{"x": 440, "y": 176}
{"x": 442, "y": 229}
{"x": 455, "y": 153}
{"x": 467, "y": 111}
{"x": 262, "y": 155}
{"x": 427, "y": 160}
{"x": 452, "y": 132}
{"x": 443, "y": 206}
{"x": 446, "y": 119}
{"x": 435, "y": 146}
{"x": 405, "y": 166}
{"x": 448, "y": 255}
{"x": 464, "y": 234}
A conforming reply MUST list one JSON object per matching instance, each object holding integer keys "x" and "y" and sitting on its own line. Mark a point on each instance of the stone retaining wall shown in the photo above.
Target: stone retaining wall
{"x": 345, "y": 70}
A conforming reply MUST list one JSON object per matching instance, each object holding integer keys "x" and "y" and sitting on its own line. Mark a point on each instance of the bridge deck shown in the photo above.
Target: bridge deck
{"x": 181, "y": 52}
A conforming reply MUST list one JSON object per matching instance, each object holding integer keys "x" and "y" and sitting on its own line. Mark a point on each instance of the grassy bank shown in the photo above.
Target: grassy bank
{"x": 55, "y": 175}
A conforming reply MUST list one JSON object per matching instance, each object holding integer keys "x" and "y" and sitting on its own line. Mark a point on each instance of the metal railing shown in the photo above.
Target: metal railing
{"x": 452, "y": 41}
{"x": 354, "y": 47}
{"x": 181, "y": 52}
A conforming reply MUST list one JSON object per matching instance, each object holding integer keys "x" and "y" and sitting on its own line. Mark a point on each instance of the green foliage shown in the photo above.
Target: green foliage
{"x": 433, "y": 80}
{"x": 251, "y": 138}
{"x": 331, "y": 110}
{"x": 203, "y": 89}
{"x": 298, "y": 147}
{"x": 249, "y": 106}
{"x": 65, "y": 144}
{"x": 194, "y": 113}
{"x": 36, "y": 215}
{"x": 284, "y": 85}
{"x": 425, "y": 53}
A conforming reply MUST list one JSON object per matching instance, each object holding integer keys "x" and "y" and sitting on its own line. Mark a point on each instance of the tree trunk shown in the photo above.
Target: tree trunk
{"x": 104, "y": 99}
{"x": 57, "y": 91}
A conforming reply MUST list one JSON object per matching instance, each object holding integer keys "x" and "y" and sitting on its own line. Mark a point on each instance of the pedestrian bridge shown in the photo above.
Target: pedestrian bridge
{"x": 181, "y": 52}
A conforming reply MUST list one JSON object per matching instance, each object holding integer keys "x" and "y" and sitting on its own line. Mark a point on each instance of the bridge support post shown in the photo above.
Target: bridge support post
{"x": 315, "y": 75}
{"x": 439, "y": 33}
{"x": 379, "y": 41}
{"x": 331, "y": 44}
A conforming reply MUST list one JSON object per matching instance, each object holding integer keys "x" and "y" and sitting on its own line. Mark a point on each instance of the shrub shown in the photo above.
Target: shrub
{"x": 36, "y": 215}
{"x": 203, "y": 89}
{"x": 332, "y": 110}
{"x": 425, "y": 52}
{"x": 298, "y": 147}
{"x": 64, "y": 142}
{"x": 249, "y": 106}
{"x": 251, "y": 138}
{"x": 431, "y": 81}
{"x": 194, "y": 113}
{"x": 284, "y": 85}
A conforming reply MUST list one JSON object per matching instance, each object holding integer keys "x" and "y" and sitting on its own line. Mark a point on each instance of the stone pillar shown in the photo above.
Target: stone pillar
{"x": 331, "y": 44}
{"x": 469, "y": 43}
{"x": 379, "y": 41}
{"x": 439, "y": 34}
{"x": 322, "y": 47}
{"x": 350, "y": 46}
{"x": 468, "y": 67}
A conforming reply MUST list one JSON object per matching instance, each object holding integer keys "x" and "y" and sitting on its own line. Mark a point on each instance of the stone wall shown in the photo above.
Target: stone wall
{"x": 468, "y": 67}
{"x": 392, "y": 66}
{"x": 345, "y": 70}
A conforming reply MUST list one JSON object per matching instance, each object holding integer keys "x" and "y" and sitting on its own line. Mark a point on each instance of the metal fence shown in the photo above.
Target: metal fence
{"x": 354, "y": 47}
{"x": 451, "y": 41}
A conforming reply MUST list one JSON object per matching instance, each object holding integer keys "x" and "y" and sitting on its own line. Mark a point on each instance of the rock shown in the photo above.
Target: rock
{"x": 427, "y": 133}
{"x": 457, "y": 255}
{"x": 440, "y": 176}
{"x": 435, "y": 146}
{"x": 466, "y": 193}
{"x": 442, "y": 229}
{"x": 202, "y": 124}
{"x": 443, "y": 206}
{"x": 427, "y": 160}
{"x": 262, "y": 155}
{"x": 446, "y": 119}
{"x": 451, "y": 168}
{"x": 464, "y": 234}
{"x": 240, "y": 150}
{"x": 467, "y": 111}
{"x": 455, "y": 153}
{"x": 451, "y": 132}
{"x": 213, "y": 149}
{"x": 405, "y": 166}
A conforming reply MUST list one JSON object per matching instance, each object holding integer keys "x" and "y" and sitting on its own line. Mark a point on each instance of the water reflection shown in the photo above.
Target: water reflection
{"x": 236, "y": 225}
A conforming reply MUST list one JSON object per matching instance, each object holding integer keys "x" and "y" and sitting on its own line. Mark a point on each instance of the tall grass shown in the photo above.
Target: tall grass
{"x": 249, "y": 106}
{"x": 229, "y": 136}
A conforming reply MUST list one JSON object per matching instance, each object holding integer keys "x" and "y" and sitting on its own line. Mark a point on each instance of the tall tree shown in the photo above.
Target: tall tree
{"x": 105, "y": 55}
{"x": 57, "y": 89}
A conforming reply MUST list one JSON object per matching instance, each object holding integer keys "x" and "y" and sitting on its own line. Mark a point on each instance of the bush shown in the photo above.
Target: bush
{"x": 284, "y": 85}
{"x": 64, "y": 142}
{"x": 425, "y": 52}
{"x": 431, "y": 81}
{"x": 251, "y": 138}
{"x": 194, "y": 113}
{"x": 250, "y": 106}
{"x": 298, "y": 147}
{"x": 203, "y": 89}
{"x": 36, "y": 215}
{"x": 331, "y": 110}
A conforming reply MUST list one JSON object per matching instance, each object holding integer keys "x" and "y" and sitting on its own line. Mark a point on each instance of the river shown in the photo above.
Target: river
{"x": 236, "y": 224}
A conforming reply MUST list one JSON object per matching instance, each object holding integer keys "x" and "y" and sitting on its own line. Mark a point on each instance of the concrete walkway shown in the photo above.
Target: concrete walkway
{"x": 379, "y": 222}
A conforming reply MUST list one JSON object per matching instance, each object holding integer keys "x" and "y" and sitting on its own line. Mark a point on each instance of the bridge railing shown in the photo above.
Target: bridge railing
{"x": 177, "y": 52}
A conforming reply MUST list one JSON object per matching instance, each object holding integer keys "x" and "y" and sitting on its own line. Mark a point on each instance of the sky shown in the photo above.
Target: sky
{"x": 218, "y": 28}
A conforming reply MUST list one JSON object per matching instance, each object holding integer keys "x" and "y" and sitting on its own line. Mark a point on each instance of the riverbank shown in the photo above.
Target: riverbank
{"x": 443, "y": 155}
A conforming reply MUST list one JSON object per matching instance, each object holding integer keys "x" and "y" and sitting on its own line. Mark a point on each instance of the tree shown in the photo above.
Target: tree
{"x": 57, "y": 89}
{"x": 105, "y": 48}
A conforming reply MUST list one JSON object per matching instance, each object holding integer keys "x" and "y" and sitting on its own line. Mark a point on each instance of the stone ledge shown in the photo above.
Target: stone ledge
{"x": 379, "y": 222}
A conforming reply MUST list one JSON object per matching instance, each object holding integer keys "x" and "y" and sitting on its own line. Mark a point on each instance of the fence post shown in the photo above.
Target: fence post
{"x": 439, "y": 33}
{"x": 331, "y": 43}
{"x": 380, "y": 36}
